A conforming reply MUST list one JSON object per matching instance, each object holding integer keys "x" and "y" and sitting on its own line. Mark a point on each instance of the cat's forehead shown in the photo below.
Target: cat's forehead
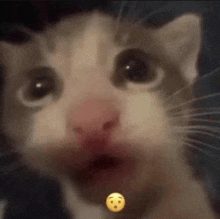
{"x": 70, "y": 41}
{"x": 80, "y": 42}
{"x": 77, "y": 29}
{"x": 91, "y": 39}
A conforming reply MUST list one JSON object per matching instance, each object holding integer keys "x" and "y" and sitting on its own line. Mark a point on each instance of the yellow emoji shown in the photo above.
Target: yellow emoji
{"x": 115, "y": 202}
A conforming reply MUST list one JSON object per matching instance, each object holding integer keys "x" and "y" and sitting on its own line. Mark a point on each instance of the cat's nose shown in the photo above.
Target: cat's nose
{"x": 94, "y": 117}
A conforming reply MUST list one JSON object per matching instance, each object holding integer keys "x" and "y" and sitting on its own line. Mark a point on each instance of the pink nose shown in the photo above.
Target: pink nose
{"x": 97, "y": 117}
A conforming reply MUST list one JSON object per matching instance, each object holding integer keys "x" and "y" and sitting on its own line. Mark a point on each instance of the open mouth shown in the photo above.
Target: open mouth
{"x": 101, "y": 168}
{"x": 104, "y": 163}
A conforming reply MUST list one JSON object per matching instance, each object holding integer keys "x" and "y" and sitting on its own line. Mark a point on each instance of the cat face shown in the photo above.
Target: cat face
{"x": 86, "y": 99}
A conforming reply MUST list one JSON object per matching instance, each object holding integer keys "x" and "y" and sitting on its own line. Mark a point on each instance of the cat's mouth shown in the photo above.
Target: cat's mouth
{"x": 104, "y": 168}
{"x": 102, "y": 163}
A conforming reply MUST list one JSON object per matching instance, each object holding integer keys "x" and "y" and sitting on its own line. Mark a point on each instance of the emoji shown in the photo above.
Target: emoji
{"x": 115, "y": 202}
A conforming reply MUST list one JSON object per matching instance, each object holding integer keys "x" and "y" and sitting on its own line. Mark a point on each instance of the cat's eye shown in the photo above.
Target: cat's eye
{"x": 136, "y": 70}
{"x": 133, "y": 65}
{"x": 40, "y": 87}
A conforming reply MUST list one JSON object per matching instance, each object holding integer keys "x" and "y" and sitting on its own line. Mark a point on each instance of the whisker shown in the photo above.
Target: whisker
{"x": 202, "y": 143}
{"x": 203, "y": 127}
{"x": 136, "y": 125}
{"x": 193, "y": 83}
{"x": 204, "y": 109}
{"x": 206, "y": 120}
{"x": 200, "y": 149}
{"x": 193, "y": 115}
{"x": 120, "y": 15}
{"x": 198, "y": 132}
{"x": 193, "y": 100}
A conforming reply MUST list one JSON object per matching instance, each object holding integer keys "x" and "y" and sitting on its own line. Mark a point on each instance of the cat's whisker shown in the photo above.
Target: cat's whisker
{"x": 192, "y": 84}
{"x": 131, "y": 127}
{"x": 201, "y": 143}
{"x": 120, "y": 15}
{"x": 197, "y": 132}
{"x": 206, "y": 120}
{"x": 200, "y": 149}
{"x": 200, "y": 127}
{"x": 203, "y": 109}
{"x": 198, "y": 114}
{"x": 193, "y": 101}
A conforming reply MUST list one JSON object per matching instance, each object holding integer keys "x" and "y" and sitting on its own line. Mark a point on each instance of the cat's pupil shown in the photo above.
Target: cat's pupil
{"x": 133, "y": 65}
{"x": 40, "y": 87}
{"x": 136, "y": 70}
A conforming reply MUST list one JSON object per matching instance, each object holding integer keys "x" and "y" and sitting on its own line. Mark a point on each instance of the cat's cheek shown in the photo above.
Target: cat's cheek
{"x": 37, "y": 156}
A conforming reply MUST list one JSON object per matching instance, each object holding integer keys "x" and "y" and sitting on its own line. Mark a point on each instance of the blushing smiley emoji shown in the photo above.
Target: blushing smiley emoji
{"x": 115, "y": 202}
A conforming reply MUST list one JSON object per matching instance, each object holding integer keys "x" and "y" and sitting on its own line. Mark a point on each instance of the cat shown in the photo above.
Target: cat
{"x": 89, "y": 101}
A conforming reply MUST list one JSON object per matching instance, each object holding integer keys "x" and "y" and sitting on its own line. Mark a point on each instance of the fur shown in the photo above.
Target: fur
{"x": 80, "y": 53}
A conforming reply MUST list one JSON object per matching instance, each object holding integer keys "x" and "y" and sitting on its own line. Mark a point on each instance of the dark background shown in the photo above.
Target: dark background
{"x": 32, "y": 196}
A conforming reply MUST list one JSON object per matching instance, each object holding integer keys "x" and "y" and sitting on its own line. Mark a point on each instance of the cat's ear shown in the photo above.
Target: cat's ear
{"x": 181, "y": 41}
